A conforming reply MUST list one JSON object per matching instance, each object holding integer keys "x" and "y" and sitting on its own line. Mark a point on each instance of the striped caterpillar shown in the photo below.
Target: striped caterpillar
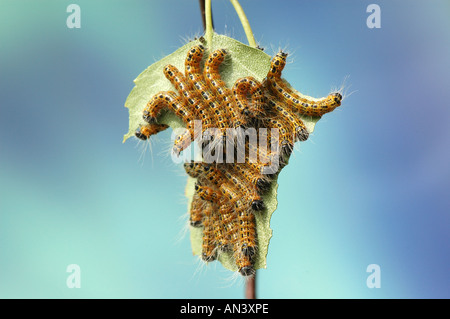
{"x": 228, "y": 195}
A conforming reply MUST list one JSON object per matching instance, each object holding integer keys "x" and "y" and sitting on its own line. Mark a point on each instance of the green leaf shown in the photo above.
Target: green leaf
{"x": 242, "y": 61}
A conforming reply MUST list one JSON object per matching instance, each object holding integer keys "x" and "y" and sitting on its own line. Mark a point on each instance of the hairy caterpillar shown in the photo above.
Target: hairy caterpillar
{"x": 145, "y": 131}
{"x": 228, "y": 194}
{"x": 299, "y": 103}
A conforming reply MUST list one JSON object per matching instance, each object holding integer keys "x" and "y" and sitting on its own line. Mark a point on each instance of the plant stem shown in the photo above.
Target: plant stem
{"x": 245, "y": 24}
{"x": 250, "y": 287}
{"x": 209, "y": 28}
{"x": 202, "y": 12}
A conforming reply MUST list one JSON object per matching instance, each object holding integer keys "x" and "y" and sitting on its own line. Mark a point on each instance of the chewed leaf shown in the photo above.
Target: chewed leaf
{"x": 242, "y": 61}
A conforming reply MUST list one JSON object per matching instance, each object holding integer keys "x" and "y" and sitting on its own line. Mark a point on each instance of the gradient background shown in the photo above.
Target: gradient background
{"x": 371, "y": 186}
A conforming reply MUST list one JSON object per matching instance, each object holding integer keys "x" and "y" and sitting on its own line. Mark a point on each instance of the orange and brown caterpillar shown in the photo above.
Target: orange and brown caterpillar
{"x": 208, "y": 239}
{"x": 212, "y": 75}
{"x": 239, "y": 232}
{"x": 261, "y": 183}
{"x": 298, "y": 102}
{"x": 144, "y": 132}
{"x": 296, "y": 125}
{"x": 174, "y": 103}
{"x": 236, "y": 213}
{"x": 196, "y": 211}
{"x": 207, "y": 174}
{"x": 249, "y": 96}
{"x": 227, "y": 194}
{"x": 198, "y": 83}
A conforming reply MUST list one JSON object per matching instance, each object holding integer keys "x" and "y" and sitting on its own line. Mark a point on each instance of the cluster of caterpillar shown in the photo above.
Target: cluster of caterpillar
{"x": 227, "y": 194}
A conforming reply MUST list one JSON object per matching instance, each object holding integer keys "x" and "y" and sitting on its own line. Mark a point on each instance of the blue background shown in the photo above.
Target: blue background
{"x": 370, "y": 186}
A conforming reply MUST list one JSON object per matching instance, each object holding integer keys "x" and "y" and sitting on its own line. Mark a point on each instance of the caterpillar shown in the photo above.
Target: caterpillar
{"x": 208, "y": 239}
{"x": 260, "y": 158}
{"x": 244, "y": 262}
{"x": 244, "y": 216}
{"x": 286, "y": 142}
{"x": 212, "y": 75}
{"x": 247, "y": 231}
{"x": 218, "y": 86}
{"x": 298, "y": 127}
{"x": 174, "y": 103}
{"x": 249, "y": 87}
{"x": 197, "y": 81}
{"x": 167, "y": 99}
{"x": 223, "y": 227}
{"x": 237, "y": 227}
{"x": 211, "y": 70}
{"x": 228, "y": 233}
{"x": 178, "y": 80}
{"x": 192, "y": 61}
{"x": 143, "y": 132}
{"x": 250, "y": 193}
{"x": 227, "y": 195}
{"x": 299, "y": 103}
{"x": 207, "y": 193}
{"x": 196, "y": 211}
{"x": 185, "y": 90}
{"x": 260, "y": 182}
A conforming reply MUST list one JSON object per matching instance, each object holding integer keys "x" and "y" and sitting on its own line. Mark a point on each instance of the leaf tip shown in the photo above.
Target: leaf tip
{"x": 126, "y": 137}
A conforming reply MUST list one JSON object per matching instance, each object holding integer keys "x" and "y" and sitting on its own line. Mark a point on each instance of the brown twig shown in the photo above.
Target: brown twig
{"x": 202, "y": 11}
{"x": 250, "y": 287}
